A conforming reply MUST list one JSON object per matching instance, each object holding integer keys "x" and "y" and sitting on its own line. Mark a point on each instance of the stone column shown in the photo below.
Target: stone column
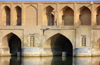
{"x": 23, "y": 15}
{"x": 11, "y": 15}
{"x": 93, "y": 21}
{"x": 39, "y": 14}
{"x": 0, "y": 15}
{"x": 76, "y": 23}
{"x": 57, "y": 14}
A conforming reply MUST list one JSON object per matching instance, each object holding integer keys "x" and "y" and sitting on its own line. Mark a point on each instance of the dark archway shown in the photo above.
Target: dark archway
{"x": 18, "y": 15}
{"x": 49, "y": 15}
{"x": 85, "y": 16}
{"x": 98, "y": 15}
{"x": 6, "y": 15}
{"x": 68, "y": 16}
{"x": 14, "y": 45}
{"x": 59, "y": 44}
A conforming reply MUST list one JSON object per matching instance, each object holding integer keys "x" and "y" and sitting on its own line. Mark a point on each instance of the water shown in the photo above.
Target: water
{"x": 50, "y": 61}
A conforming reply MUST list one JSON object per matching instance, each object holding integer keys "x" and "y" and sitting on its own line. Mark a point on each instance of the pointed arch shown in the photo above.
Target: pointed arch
{"x": 30, "y": 15}
{"x": 6, "y": 15}
{"x": 12, "y": 33}
{"x": 56, "y": 34}
{"x": 17, "y": 15}
{"x": 48, "y": 16}
{"x": 32, "y": 6}
{"x": 67, "y": 7}
{"x": 7, "y": 36}
{"x": 82, "y": 7}
{"x": 58, "y": 44}
{"x": 18, "y": 6}
{"x": 98, "y": 15}
{"x": 6, "y": 6}
{"x": 85, "y": 16}
{"x": 66, "y": 16}
{"x": 49, "y": 6}
{"x": 13, "y": 42}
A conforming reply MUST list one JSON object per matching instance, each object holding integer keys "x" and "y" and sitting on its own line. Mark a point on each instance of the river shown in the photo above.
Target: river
{"x": 50, "y": 61}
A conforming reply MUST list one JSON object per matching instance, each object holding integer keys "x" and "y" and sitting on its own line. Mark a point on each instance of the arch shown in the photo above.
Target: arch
{"x": 65, "y": 7}
{"x": 12, "y": 33}
{"x": 6, "y": 6}
{"x": 48, "y": 6}
{"x": 30, "y": 15}
{"x": 98, "y": 15}
{"x": 85, "y": 6}
{"x": 66, "y": 16}
{"x": 48, "y": 16}
{"x": 6, "y": 15}
{"x": 17, "y": 15}
{"x": 13, "y": 42}
{"x": 18, "y": 6}
{"x": 58, "y": 44}
{"x": 32, "y": 6}
{"x": 85, "y": 16}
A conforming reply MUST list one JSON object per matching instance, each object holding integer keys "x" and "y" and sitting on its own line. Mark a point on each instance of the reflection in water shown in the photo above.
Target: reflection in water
{"x": 83, "y": 60}
{"x": 15, "y": 61}
{"x": 50, "y": 61}
{"x": 61, "y": 61}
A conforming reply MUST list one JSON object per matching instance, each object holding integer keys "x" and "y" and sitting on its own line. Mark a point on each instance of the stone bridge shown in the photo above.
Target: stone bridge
{"x": 49, "y": 28}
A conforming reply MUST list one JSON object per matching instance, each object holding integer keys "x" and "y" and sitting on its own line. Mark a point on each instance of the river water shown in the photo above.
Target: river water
{"x": 50, "y": 61}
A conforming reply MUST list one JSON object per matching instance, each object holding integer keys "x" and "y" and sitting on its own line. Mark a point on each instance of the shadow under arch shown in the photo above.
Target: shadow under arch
{"x": 66, "y": 16}
{"x": 49, "y": 15}
{"x": 62, "y": 61}
{"x": 14, "y": 44}
{"x": 85, "y": 16}
{"x": 18, "y": 15}
{"x": 59, "y": 43}
{"x": 6, "y": 13}
{"x": 15, "y": 61}
{"x": 97, "y": 15}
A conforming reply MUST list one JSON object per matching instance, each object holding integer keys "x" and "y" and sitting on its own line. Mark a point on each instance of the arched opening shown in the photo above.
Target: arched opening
{"x": 60, "y": 44}
{"x": 67, "y": 16}
{"x": 48, "y": 16}
{"x": 14, "y": 44}
{"x": 85, "y": 16}
{"x": 6, "y": 15}
{"x": 18, "y": 15}
{"x": 98, "y": 16}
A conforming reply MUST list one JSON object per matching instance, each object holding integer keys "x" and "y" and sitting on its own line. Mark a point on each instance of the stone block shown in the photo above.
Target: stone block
{"x": 31, "y": 51}
{"x": 83, "y": 51}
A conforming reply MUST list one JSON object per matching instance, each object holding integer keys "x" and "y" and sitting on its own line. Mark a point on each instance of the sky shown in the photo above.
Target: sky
{"x": 49, "y": 0}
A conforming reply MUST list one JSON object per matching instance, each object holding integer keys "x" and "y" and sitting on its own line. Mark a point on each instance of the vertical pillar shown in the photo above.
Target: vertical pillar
{"x": 23, "y": 15}
{"x": 54, "y": 17}
{"x": 39, "y": 14}
{"x": 57, "y": 12}
{"x": 11, "y": 14}
{"x": 93, "y": 17}
{"x": 76, "y": 22}
{"x": 0, "y": 15}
